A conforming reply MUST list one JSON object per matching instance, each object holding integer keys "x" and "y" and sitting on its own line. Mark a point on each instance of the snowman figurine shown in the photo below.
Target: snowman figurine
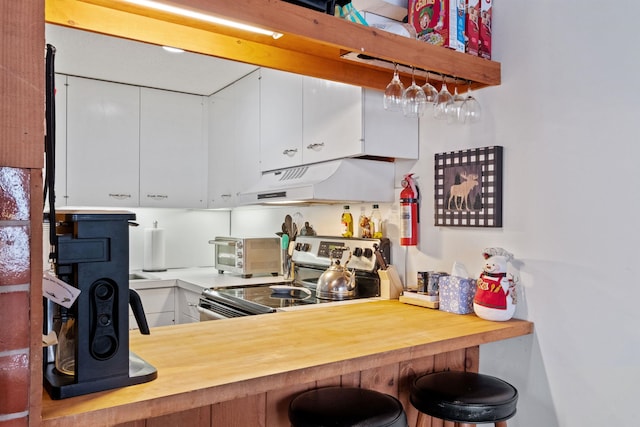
{"x": 495, "y": 297}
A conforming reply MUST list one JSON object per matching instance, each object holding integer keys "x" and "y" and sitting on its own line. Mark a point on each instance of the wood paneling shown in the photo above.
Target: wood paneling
{"x": 22, "y": 84}
{"x": 270, "y": 409}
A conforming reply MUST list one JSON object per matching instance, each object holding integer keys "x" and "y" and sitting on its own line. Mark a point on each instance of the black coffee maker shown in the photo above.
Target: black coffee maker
{"x": 92, "y": 254}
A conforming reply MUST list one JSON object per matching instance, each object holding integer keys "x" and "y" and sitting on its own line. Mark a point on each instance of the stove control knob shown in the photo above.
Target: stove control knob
{"x": 304, "y": 247}
{"x": 357, "y": 252}
{"x": 239, "y": 264}
{"x": 239, "y": 244}
{"x": 239, "y": 254}
{"x": 368, "y": 253}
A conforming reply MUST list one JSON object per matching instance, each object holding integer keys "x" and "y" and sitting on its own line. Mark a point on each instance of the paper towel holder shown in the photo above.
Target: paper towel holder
{"x": 154, "y": 249}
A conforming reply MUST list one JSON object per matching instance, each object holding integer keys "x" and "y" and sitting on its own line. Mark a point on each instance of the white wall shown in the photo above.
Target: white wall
{"x": 187, "y": 234}
{"x": 567, "y": 114}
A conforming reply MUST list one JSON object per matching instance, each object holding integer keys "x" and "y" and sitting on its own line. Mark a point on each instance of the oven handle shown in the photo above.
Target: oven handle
{"x": 211, "y": 314}
{"x": 222, "y": 243}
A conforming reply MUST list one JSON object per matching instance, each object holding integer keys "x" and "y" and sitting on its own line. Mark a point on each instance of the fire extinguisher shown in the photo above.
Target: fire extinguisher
{"x": 409, "y": 211}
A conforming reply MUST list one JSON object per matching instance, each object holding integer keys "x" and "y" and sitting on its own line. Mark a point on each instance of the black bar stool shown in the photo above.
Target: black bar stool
{"x": 466, "y": 398}
{"x": 346, "y": 407}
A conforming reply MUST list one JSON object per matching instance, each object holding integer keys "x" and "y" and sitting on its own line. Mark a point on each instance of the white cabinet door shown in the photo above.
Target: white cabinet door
{"x": 247, "y": 143}
{"x": 280, "y": 119}
{"x": 388, "y": 134}
{"x": 102, "y": 143}
{"x": 187, "y": 306}
{"x": 234, "y": 141}
{"x": 172, "y": 150}
{"x": 61, "y": 140}
{"x": 221, "y": 187}
{"x": 158, "y": 304}
{"x": 332, "y": 120}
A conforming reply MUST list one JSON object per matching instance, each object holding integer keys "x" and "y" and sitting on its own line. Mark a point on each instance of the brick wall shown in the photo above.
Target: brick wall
{"x": 15, "y": 279}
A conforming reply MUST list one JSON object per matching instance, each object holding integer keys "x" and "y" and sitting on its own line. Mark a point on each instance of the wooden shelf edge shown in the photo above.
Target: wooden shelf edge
{"x": 313, "y": 43}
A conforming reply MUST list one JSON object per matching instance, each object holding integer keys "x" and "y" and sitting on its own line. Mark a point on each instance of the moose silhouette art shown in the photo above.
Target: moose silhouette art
{"x": 459, "y": 193}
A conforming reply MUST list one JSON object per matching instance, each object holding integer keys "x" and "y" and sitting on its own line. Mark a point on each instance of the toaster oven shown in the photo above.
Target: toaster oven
{"x": 247, "y": 256}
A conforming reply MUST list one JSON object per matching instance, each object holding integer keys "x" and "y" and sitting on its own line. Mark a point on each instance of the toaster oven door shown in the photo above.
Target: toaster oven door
{"x": 226, "y": 254}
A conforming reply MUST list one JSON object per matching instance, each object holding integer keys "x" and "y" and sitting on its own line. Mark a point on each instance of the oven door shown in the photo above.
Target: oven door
{"x": 214, "y": 310}
{"x": 226, "y": 254}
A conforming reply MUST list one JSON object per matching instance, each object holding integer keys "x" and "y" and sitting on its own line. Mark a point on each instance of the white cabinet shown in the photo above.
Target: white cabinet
{"x": 280, "y": 119}
{"x": 308, "y": 120}
{"x": 102, "y": 143}
{"x": 187, "y": 306}
{"x": 331, "y": 120}
{"x": 221, "y": 188}
{"x": 166, "y": 302}
{"x": 172, "y": 150}
{"x": 61, "y": 140}
{"x": 158, "y": 301}
{"x": 234, "y": 141}
{"x": 129, "y": 146}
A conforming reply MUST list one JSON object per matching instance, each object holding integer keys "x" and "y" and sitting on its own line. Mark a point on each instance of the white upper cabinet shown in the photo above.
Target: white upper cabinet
{"x": 102, "y": 143}
{"x": 129, "y": 146}
{"x": 247, "y": 146}
{"x": 308, "y": 120}
{"x": 386, "y": 133}
{"x": 173, "y": 149}
{"x": 234, "y": 141}
{"x": 280, "y": 119}
{"x": 61, "y": 140}
{"x": 221, "y": 188}
{"x": 331, "y": 120}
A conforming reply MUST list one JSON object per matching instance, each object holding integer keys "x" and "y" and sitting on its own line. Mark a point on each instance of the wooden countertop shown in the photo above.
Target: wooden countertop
{"x": 204, "y": 363}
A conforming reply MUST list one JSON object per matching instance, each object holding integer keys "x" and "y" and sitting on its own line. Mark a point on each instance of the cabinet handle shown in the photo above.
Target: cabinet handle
{"x": 315, "y": 146}
{"x": 225, "y": 196}
{"x": 119, "y": 196}
{"x": 157, "y": 196}
{"x": 290, "y": 152}
{"x": 192, "y": 304}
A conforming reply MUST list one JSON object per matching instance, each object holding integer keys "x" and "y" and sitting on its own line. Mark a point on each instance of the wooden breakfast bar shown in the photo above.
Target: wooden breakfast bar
{"x": 244, "y": 371}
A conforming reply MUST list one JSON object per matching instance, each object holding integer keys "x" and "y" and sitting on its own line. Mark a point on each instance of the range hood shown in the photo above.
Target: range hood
{"x": 335, "y": 181}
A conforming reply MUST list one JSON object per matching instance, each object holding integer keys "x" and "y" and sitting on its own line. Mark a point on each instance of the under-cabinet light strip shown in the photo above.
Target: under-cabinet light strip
{"x": 202, "y": 17}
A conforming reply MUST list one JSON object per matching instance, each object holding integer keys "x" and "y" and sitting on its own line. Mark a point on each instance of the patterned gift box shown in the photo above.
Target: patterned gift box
{"x": 456, "y": 294}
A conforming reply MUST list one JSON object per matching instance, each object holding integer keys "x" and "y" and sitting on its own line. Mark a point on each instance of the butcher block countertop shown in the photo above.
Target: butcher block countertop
{"x": 204, "y": 363}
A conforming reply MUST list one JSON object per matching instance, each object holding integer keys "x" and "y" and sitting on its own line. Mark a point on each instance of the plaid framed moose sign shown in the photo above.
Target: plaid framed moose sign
{"x": 468, "y": 188}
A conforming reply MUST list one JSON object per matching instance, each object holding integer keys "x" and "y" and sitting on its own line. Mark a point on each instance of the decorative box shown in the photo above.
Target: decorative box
{"x": 456, "y": 294}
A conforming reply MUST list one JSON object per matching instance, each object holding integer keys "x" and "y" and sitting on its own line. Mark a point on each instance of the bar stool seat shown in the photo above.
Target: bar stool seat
{"x": 346, "y": 407}
{"x": 464, "y": 397}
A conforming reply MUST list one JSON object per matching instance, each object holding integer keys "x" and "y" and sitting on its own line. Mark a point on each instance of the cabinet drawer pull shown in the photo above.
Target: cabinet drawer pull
{"x": 290, "y": 152}
{"x": 119, "y": 196}
{"x": 157, "y": 196}
{"x": 225, "y": 196}
{"x": 316, "y": 146}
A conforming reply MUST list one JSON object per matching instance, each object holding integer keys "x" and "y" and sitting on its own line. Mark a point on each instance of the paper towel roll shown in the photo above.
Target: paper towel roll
{"x": 154, "y": 259}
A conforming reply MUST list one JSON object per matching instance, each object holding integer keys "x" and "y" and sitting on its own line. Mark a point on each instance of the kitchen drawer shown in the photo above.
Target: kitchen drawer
{"x": 157, "y": 300}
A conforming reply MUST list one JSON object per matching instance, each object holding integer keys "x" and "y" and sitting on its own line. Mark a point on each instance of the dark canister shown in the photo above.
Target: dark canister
{"x": 428, "y": 282}
{"x": 422, "y": 282}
